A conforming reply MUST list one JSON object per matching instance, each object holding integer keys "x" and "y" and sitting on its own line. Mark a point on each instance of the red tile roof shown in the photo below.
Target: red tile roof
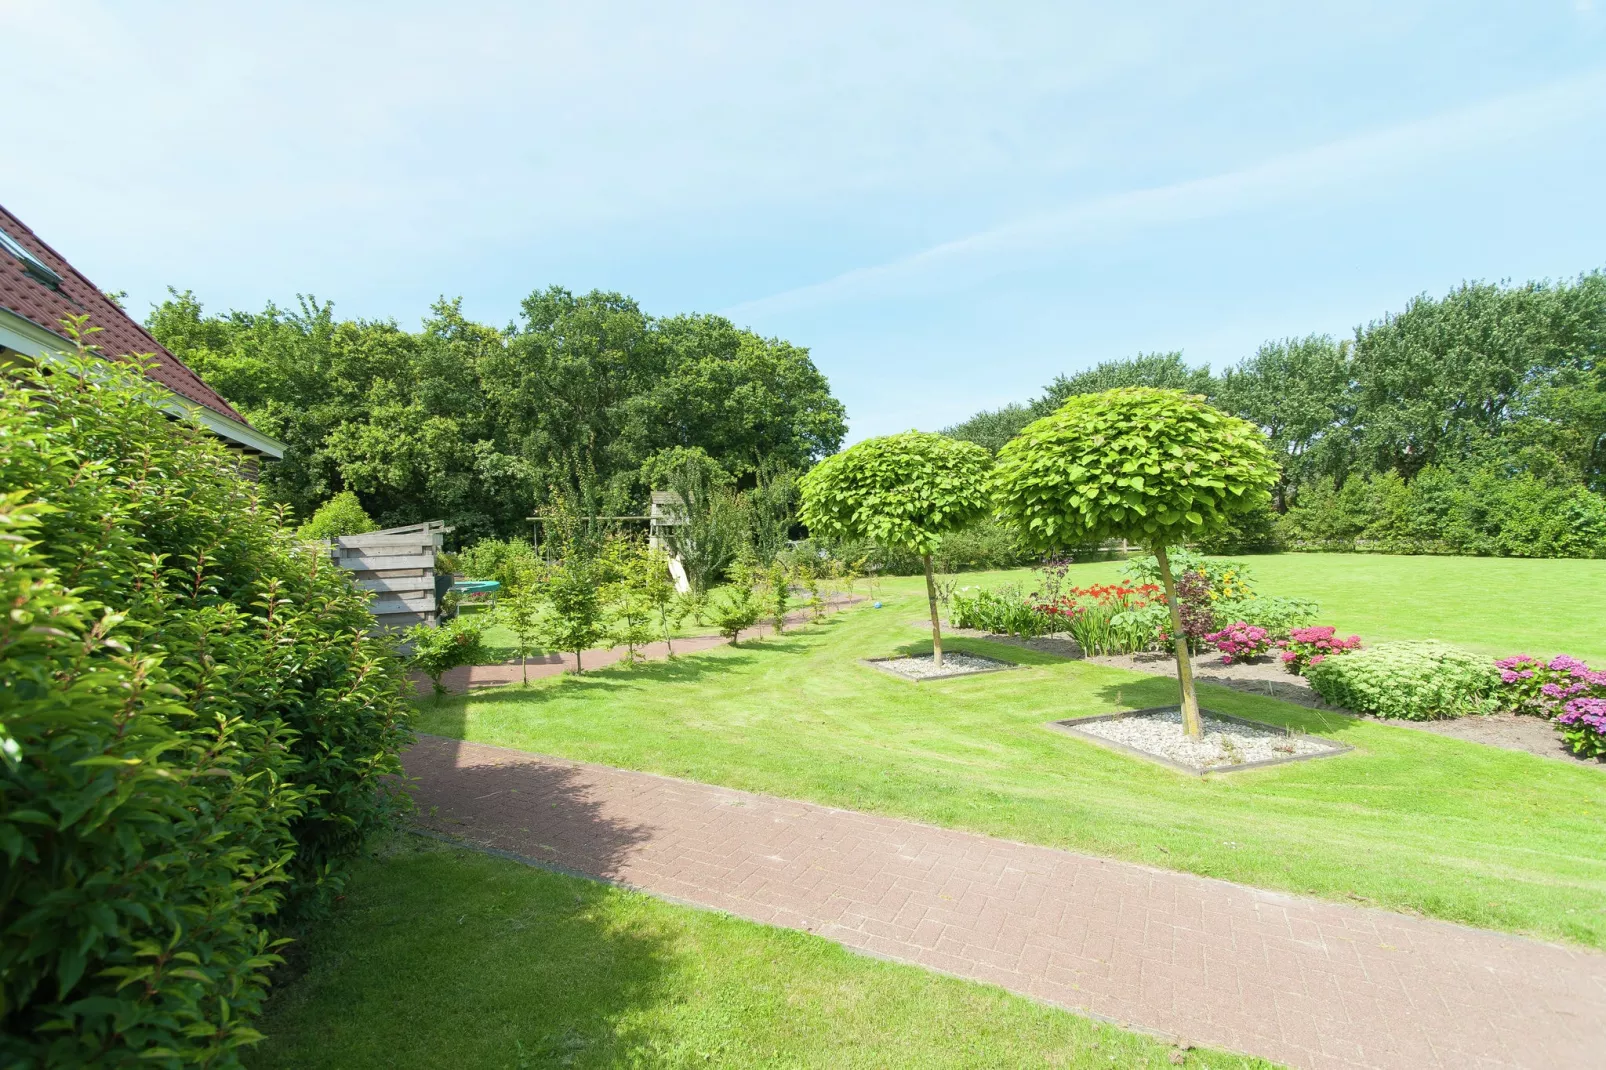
{"x": 119, "y": 334}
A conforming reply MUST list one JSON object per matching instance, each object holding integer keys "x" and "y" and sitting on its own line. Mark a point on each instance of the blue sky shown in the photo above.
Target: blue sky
{"x": 948, "y": 204}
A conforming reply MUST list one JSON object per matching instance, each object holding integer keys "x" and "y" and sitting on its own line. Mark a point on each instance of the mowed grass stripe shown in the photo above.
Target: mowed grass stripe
{"x": 1409, "y": 820}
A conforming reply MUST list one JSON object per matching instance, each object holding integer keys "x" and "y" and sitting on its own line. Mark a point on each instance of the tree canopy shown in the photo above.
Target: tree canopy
{"x": 901, "y": 491}
{"x": 477, "y": 425}
{"x": 1489, "y": 386}
{"x": 1157, "y": 467}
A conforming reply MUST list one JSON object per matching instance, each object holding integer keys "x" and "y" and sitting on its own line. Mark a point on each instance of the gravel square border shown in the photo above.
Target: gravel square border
{"x": 1069, "y": 726}
{"x": 881, "y": 665}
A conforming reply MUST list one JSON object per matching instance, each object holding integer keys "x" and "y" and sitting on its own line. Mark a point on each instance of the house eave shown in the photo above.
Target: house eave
{"x": 31, "y": 340}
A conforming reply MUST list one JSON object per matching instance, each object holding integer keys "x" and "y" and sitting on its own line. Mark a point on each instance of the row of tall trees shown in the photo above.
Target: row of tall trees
{"x": 480, "y": 426}
{"x": 1455, "y": 401}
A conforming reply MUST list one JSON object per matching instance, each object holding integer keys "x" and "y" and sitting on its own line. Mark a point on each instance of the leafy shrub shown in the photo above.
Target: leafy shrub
{"x": 1195, "y": 598}
{"x": 1305, "y": 647}
{"x": 198, "y": 733}
{"x": 1583, "y": 726}
{"x": 1225, "y": 581}
{"x": 437, "y": 651}
{"x": 1542, "y": 688}
{"x": 1279, "y": 616}
{"x": 1240, "y": 641}
{"x": 511, "y": 562}
{"x": 341, "y": 515}
{"x": 1006, "y": 611}
{"x": 1415, "y": 681}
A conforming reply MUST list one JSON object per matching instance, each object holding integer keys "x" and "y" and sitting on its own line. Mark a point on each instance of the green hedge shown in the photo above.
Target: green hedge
{"x": 195, "y": 733}
{"x": 1482, "y": 511}
{"x": 1414, "y": 681}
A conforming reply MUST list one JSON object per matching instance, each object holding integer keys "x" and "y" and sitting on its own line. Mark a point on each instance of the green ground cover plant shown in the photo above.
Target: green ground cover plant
{"x": 1415, "y": 681}
{"x": 1408, "y": 820}
{"x": 441, "y": 955}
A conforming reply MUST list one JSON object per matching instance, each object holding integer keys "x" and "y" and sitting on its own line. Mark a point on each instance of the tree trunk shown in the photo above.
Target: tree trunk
{"x": 578, "y": 668}
{"x": 1190, "y": 699}
{"x": 936, "y": 625}
{"x": 524, "y": 667}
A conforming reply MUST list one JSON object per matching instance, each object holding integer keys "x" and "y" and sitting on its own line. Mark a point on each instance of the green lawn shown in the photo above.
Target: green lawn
{"x": 440, "y": 957}
{"x": 1494, "y": 605}
{"x": 1409, "y": 820}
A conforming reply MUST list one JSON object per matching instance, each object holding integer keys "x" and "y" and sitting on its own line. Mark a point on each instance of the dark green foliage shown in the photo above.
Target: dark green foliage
{"x": 511, "y": 562}
{"x": 341, "y": 515}
{"x": 471, "y": 425}
{"x": 1417, "y": 681}
{"x": 1482, "y": 413}
{"x": 993, "y": 428}
{"x": 197, "y": 734}
{"x": 1447, "y": 511}
{"x": 712, "y": 524}
{"x": 1163, "y": 371}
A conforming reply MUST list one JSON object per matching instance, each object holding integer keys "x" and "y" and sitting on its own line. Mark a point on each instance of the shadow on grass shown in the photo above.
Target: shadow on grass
{"x": 502, "y": 966}
{"x": 1006, "y": 652}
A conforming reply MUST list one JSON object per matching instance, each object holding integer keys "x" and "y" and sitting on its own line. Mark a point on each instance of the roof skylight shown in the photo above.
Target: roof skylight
{"x": 30, "y": 263}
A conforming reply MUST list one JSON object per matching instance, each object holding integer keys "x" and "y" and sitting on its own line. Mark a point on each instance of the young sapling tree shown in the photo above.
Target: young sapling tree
{"x": 658, "y": 587}
{"x": 520, "y": 612}
{"x": 1157, "y": 467}
{"x": 735, "y": 607}
{"x": 903, "y": 492}
{"x": 777, "y": 582}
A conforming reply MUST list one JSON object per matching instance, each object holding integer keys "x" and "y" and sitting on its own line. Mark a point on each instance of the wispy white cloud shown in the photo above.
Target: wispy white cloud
{"x": 1340, "y": 168}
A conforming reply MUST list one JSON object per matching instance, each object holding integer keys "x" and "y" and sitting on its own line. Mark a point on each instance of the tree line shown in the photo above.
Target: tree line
{"x": 1472, "y": 423}
{"x": 481, "y": 426}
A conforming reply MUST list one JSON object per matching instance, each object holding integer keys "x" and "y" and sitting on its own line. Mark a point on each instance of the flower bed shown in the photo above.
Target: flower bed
{"x": 1543, "y": 688}
{"x": 1305, "y": 647}
{"x": 1583, "y": 725}
{"x": 1563, "y": 690}
{"x": 1240, "y": 641}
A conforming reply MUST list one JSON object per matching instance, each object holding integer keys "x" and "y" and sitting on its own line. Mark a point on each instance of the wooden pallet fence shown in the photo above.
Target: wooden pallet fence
{"x": 398, "y": 566}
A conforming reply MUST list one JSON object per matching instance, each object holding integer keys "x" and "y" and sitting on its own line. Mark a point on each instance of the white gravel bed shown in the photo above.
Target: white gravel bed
{"x": 925, "y": 667}
{"x": 1225, "y": 743}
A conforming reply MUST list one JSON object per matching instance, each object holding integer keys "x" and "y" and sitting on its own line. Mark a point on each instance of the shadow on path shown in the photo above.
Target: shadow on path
{"x": 505, "y": 801}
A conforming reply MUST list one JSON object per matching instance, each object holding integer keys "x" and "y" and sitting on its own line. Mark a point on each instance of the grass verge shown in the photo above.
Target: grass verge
{"x": 444, "y": 957}
{"x": 1408, "y": 820}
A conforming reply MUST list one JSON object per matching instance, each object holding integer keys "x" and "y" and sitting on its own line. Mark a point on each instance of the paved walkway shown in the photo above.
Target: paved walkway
{"x": 1300, "y": 981}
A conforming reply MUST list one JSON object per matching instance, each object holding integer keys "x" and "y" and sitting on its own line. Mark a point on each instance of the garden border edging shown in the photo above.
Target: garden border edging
{"x": 1068, "y": 726}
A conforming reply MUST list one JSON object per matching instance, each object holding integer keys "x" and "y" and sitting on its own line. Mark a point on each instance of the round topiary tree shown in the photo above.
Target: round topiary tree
{"x": 1156, "y": 467}
{"x": 903, "y": 492}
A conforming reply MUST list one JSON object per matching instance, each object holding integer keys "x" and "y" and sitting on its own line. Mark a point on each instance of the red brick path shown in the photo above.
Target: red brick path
{"x": 1305, "y": 982}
